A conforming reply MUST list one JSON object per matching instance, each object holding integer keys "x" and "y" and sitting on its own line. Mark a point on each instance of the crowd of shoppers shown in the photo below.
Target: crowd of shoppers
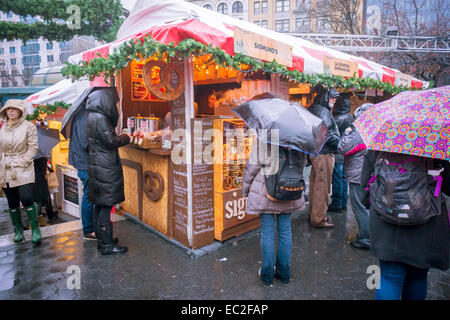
{"x": 405, "y": 253}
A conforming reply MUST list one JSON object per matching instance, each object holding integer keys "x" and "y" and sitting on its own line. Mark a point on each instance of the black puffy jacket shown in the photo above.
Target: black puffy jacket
{"x": 321, "y": 109}
{"x": 105, "y": 168}
{"x": 343, "y": 119}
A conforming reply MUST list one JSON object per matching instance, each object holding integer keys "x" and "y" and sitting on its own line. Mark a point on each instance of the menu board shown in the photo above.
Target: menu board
{"x": 179, "y": 174}
{"x": 139, "y": 91}
{"x": 71, "y": 189}
{"x": 202, "y": 184}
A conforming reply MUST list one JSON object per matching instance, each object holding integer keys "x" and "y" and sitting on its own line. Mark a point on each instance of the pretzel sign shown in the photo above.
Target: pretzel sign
{"x": 166, "y": 88}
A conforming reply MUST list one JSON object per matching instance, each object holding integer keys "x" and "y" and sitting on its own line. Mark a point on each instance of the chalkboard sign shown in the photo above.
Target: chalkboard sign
{"x": 178, "y": 174}
{"x": 71, "y": 189}
{"x": 202, "y": 185}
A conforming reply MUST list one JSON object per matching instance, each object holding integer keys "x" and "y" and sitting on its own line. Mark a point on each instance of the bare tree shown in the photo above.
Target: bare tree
{"x": 417, "y": 18}
{"x": 339, "y": 16}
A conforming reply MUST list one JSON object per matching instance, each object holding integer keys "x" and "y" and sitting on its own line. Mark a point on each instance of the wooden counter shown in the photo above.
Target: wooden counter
{"x": 146, "y": 179}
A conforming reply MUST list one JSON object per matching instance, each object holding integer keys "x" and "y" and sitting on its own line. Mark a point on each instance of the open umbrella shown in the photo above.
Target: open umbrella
{"x": 297, "y": 128}
{"x": 73, "y": 110}
{"x": 412, "y": 122}
{"x": 47, "y": 140}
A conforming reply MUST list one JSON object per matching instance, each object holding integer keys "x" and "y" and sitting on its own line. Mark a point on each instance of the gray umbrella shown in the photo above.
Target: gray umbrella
{"x": 78, "y": 105}
{"x": 298, "y": 128}
{"x": 47, "y": 140}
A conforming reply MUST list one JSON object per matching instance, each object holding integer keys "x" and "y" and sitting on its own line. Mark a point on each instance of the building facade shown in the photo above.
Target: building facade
{"x": 235, "y": 8}
{"x": 19, "y": 61}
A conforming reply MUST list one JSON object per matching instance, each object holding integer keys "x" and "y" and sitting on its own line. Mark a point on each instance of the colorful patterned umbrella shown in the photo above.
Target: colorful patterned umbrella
{"x": 412, "y": 122}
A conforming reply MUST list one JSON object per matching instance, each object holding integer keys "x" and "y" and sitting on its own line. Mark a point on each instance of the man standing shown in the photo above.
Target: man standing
{"x": 79, "y": 158}
{"x": 322, "y": 165}
{"x": 339, "y": 195}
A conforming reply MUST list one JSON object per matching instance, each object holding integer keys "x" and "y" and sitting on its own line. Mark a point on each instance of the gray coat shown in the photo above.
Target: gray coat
{"x": 254, "y": 187}
{"x": 353, "y": 148}
{"x": 423, "y": 246}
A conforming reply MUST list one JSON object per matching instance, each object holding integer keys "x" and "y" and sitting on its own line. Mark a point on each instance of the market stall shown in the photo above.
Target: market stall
{"x": 179, "y": 70}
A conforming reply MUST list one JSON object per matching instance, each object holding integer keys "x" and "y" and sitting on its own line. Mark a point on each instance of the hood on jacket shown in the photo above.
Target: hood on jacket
{"x": 104, "y": 101}
{"x": 324, "y": 95}
{"x": 361, "y": 109}
{"x": 342, "y": 107}
{"x": 17, "y": 104}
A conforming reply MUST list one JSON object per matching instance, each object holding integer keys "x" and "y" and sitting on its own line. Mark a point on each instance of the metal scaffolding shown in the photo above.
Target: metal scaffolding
{"x": 374, "y": 43}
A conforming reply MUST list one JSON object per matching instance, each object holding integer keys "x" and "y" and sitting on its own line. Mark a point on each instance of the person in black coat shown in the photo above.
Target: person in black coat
{"x": 106, "y": 186}
{"x": 406, "y": 253}
{"x": 339, "y": 195}
{"x": 322, "y": 165}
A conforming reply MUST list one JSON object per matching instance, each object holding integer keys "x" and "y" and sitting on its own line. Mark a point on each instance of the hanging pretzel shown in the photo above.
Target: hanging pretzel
{"x": 153, "y": 185}
{"x": 164, "y": 89}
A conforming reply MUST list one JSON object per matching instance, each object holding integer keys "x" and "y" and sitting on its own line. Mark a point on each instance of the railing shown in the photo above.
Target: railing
{"x": 373, "y": 43}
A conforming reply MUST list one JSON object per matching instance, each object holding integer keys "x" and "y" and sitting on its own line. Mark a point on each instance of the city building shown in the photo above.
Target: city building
{"x": 235, "y": 8}
{"x": 289, "y": 16}
{"x": 19, "y": 61}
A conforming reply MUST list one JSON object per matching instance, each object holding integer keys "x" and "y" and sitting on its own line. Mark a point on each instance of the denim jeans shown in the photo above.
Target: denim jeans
{"x": 401, "y": 281}
{"x": 339, "y": 195}
{"x": 284, "y": 249}
{"x": 360, "y": 212}
{"x": 87, "y": 208}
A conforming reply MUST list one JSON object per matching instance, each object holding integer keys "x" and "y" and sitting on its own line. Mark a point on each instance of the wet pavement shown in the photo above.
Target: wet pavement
{"x": 324, "y": 266}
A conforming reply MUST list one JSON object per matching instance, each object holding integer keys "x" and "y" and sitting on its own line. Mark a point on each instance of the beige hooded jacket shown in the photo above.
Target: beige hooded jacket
{"x": 18, "y": 146}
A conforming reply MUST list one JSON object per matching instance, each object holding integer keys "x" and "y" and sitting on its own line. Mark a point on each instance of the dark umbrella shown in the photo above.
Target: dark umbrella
{"x": 77, "y": 106}
{"x": 47, "y": 140}
{"x": 297, "y": 127}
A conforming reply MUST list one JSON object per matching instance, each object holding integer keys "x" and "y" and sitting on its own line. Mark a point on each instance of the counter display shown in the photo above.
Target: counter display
{"x": 232, "y": 152}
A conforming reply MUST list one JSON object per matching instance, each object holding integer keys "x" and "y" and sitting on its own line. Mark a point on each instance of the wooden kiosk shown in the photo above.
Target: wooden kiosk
{"x": 184, "y": 192}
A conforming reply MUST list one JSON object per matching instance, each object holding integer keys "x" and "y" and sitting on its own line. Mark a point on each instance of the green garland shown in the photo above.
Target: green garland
{"x": 47, "y": 109}
{"x": 135, "y": 49}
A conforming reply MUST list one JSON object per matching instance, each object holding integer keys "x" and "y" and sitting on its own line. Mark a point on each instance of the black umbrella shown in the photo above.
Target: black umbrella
{"x": 77, "y": 106}
{"x": 47, "y": 140}
{"x": 297, "y": 128}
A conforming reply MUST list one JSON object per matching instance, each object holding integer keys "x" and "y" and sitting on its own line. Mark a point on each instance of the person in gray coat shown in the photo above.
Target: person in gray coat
{"x": 271, "y": 213}
{"x": 352, "y": 147}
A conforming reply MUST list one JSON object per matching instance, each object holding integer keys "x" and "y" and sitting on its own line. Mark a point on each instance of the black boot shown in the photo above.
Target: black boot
{"x": 106, "y": 242}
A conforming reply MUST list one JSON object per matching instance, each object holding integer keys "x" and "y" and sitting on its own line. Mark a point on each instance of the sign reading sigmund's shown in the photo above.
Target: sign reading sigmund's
{"x": 257, "y": 46}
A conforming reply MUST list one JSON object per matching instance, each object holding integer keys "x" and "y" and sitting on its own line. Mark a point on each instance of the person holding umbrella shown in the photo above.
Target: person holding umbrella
{"x": 18, "y": 146}
{"x": 322, "y": 165}
{"x": 407, "y": 174}
{"x": 288, "y": 131}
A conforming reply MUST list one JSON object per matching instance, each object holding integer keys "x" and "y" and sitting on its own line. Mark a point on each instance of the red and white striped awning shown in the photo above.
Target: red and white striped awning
{"x": 64, "y": 90}
{"x": 175, "y": 20}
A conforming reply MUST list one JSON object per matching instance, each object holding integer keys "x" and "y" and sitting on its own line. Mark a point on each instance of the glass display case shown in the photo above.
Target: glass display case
{"x": 231, "y": 154}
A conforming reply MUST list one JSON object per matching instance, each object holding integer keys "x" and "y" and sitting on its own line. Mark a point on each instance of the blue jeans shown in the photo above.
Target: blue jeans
{"x": 284, "y": 250}
{"x": 339, "y": 195}
{"x": 87, "y": 208}
{"x": 360, "y": 212}
{"x": 401, "y": 281}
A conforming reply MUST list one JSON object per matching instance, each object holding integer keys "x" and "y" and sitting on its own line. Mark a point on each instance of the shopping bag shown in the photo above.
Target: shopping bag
{"x": 52, "y": 180}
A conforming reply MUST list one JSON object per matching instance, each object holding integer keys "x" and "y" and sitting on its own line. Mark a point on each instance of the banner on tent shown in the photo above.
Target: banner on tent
{"x": 402, "y": 79}
{"x": 339, "y": 67}
{"x": 260, "y": 47}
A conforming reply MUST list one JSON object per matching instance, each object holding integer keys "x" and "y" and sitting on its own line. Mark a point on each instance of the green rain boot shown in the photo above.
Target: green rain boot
{"x": 35, "y": 231}
{"x": 16, "y": 220}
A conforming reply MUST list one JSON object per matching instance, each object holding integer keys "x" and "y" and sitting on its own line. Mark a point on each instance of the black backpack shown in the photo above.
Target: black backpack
{"x": 288, "y": 182}
{"x": 402, "y": 192}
